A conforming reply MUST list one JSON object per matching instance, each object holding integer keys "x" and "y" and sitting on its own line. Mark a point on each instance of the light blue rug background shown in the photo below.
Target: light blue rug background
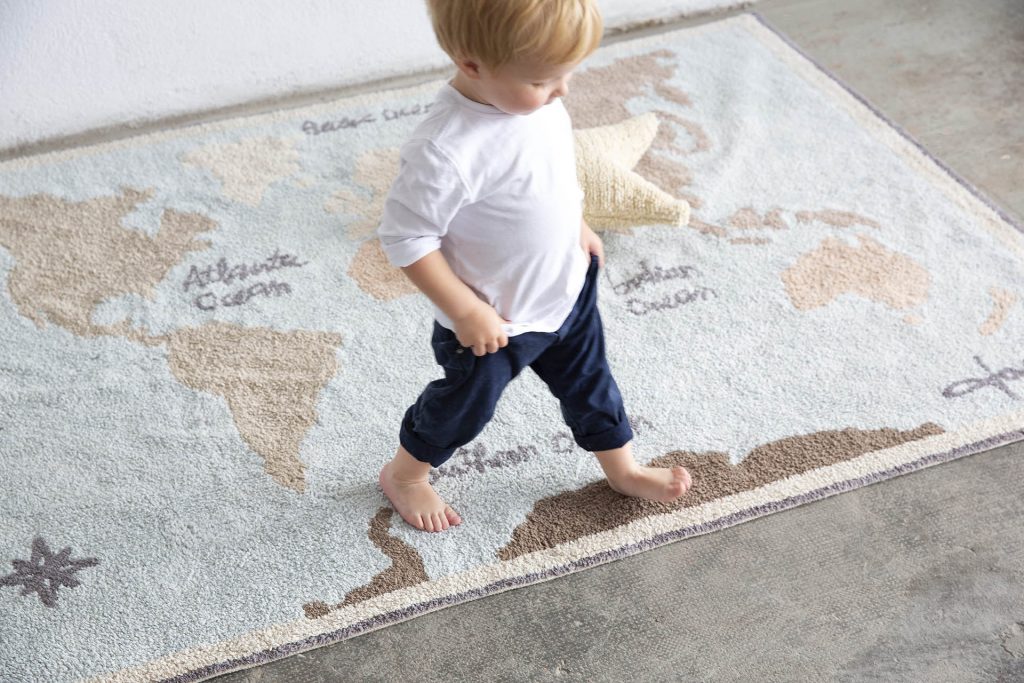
{"x": 103, "y": 450}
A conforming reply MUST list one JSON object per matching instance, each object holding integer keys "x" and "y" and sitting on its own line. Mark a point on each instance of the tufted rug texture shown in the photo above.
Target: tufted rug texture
{"x": 204, "y": 356}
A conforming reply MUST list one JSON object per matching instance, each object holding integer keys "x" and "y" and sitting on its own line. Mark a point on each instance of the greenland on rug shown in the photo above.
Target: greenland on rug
{"x": 206, "y": 356}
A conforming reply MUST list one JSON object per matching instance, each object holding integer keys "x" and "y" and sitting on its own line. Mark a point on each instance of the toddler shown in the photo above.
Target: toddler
{"x": 485, "y": 217}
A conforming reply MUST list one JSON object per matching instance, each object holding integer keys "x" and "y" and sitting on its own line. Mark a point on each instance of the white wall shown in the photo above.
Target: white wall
{"x": 68, "y": 66}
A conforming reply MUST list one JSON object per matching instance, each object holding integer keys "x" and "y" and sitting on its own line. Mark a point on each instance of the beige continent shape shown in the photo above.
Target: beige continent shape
{"x": 271, "y": 381}
{"x": 247, "y": 168}
{"x": 71, "y": 256}
{"x": 374, "y": 171}
{"x": 870, "y": 270}
{"x": 1002, "y": 301}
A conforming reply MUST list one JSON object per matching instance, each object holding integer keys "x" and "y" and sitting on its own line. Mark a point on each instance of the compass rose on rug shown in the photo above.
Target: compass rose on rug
{"x": 46, "y": 572}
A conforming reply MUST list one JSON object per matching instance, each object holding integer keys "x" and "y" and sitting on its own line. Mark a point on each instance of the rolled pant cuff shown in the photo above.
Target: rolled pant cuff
{"x": 616, "y": 437}
{"x": 421, "y": 450}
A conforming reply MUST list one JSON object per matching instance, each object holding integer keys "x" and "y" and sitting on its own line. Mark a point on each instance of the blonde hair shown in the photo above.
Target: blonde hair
{"x": 497, "y": 32}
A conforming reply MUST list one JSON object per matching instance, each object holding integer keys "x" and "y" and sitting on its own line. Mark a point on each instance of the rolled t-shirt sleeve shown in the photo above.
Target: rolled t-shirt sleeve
{"x": 423, "y": 198}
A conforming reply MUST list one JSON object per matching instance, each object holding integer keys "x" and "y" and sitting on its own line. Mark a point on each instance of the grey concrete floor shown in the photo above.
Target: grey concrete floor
{"x": 928, "y": 584}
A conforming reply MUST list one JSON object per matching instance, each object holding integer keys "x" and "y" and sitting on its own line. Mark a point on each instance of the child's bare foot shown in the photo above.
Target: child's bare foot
{"x": 653, "y": 483}
{"x": 630, "y": 478}
{"x": 404, "y": 481}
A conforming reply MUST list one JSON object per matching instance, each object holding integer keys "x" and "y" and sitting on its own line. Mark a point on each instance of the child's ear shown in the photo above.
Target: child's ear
{"x": 468, "y": 67}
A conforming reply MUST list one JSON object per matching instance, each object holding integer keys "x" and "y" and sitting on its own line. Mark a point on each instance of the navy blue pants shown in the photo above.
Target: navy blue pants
{"x": 450, "y": 412}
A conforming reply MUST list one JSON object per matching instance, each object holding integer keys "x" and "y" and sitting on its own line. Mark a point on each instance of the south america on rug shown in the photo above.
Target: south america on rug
{"x": 206, "y": 357}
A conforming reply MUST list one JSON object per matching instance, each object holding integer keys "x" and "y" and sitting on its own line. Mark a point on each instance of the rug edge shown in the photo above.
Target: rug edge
{"x": 969, "y": 440}
{"x": 20, "y": 163}
{"x": 996, "y": 207}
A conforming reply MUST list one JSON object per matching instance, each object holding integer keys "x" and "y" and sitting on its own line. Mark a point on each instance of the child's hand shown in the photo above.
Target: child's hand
{"x": 481, "y": 329}
{"x": 591, "y": 243}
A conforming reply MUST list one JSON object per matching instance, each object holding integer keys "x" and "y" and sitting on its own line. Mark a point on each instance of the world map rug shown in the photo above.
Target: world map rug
{"x": 206, "y": 356}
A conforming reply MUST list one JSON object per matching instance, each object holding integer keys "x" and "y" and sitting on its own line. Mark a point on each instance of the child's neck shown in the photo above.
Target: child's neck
{"x": 465, "y": 86}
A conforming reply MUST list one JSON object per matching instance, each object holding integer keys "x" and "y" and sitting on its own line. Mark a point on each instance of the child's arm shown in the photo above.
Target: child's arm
{"x": 477, "y": 324}
{"x": 427, "y": 193}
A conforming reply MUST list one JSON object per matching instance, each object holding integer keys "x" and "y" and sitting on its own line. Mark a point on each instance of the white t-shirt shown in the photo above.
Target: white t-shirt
{"x": 497, "y": 193}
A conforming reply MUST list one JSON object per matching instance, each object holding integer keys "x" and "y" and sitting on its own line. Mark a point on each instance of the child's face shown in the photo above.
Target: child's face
{"x": 524, "y": 87}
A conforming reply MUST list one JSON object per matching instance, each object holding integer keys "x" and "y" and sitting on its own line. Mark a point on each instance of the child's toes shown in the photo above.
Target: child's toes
{"x": 453, "y": 517}
{"x": 680, "y": 479}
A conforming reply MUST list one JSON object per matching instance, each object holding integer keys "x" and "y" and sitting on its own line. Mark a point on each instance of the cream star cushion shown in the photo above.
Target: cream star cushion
{"x": 616, "y": 196}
